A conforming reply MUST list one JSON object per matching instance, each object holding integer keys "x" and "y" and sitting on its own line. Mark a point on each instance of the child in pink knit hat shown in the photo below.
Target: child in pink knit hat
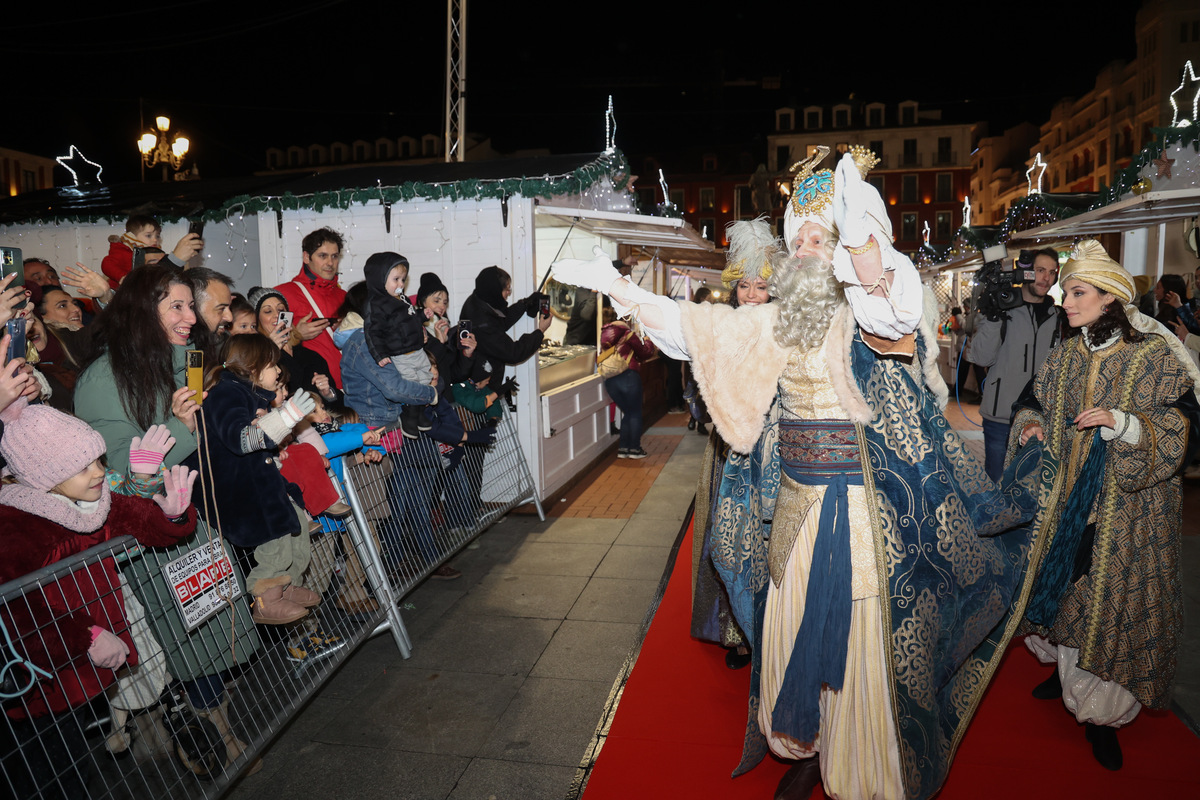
{"x": 58, "y": 504}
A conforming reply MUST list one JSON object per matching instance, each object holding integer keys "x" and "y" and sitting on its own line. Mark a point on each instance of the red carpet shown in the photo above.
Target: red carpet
{"x": 679, "y": 724}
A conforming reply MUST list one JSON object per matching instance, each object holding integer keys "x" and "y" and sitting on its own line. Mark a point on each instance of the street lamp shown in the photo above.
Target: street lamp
{"x": 156, "y": 149}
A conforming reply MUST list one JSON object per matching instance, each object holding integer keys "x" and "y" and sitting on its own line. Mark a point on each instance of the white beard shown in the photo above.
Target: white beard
{"x": 808, "y": 296}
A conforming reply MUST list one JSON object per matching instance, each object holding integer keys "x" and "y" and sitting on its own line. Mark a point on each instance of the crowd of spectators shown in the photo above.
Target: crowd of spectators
{"x": 102, "y": 411}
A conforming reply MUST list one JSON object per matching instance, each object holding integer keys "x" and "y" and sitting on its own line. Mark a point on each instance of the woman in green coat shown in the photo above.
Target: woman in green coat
{"x": 137, "y": 379}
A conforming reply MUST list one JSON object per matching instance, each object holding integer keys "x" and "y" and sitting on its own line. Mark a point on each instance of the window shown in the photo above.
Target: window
{"x": 316, "y": 157}
{"x": 812, "y": 119}
{"x": 710, "y": 163}
{"x": 783, "y": 157}
{"x": 908, "y": 226}
{"x": 677, "y": 198}
{"x": 876, "y": 147}
{"x": 945, "y": 152}
{"x": 406, "y": 149}
{"x": 743, "y": 202}
{"x": 909, "y": 159}
{"x": 908, "y": 189}
{"x": 708, "y": 199}
{"x": 875, "y": 117}
{"x": 841, "y": 148}
{"x": 1102, "y": 152}
{"x": 783, "y": 121}
{"x": 945, "y": 187}
{"x": 908, "y": 114}
{"x": 293, "y": 158}
{"x": 841, "y": 118}
{"x": 28, "y": 181}
{"x": 877, "y": 182}
{"x": 943, "y": 225}
{"x": 360, "y": 152}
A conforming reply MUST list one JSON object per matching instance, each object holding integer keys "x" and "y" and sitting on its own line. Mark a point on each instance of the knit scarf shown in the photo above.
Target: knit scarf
{"x": 72, "y": 515}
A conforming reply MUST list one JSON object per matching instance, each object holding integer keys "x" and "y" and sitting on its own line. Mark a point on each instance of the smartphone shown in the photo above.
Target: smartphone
{"x": 195, "y": 374}
{"x": 285, "y": 319}
{"x": 545, "y": 309}
{"x": 196, "y": 226}
{"x": 11, "y": 263}
{"x": 16, "y": 345}
{"x": 139, "y": 257}
{"x": 464, "y": 328}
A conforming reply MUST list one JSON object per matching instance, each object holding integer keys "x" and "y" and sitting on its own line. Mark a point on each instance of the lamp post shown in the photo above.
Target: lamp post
{"x": 156, "y": 149}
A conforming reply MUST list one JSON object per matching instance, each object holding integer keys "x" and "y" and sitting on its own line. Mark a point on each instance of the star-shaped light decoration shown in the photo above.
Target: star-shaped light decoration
{"x": 70, "y": 156}
{"x": 1176, "y": 122}
{"x": 610, "y": 128}
{"x": 1164, "y": 165}
{"x": 966, "y": 212}
{"x": 1038, "y": 166}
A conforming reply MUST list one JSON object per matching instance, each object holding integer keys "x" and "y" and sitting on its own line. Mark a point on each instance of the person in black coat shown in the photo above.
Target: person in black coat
{"x": 491, "y": 317}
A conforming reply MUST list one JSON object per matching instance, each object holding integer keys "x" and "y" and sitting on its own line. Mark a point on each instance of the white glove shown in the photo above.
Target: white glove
{"x": 597, "y": 274}
{"x": 857, "y": 207}
{"x": 278, "y": 424}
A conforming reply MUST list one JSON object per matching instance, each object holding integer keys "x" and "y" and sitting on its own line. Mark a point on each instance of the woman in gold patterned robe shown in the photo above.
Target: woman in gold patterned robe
{"x": 1113, "y": 406}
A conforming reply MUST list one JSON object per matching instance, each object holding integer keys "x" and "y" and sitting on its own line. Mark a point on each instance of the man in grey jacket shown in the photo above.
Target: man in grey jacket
{"x": 1013, "y": 348}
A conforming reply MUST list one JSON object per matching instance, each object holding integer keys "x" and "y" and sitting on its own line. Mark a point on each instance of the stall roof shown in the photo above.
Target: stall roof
{"x": 1145, "y": 211}
{"x": 187, "y": 198}
{"x": 635, "y": 229}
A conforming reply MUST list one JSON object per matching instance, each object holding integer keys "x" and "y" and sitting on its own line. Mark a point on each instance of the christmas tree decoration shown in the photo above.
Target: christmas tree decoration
{"x": 1164, "y": 165}
{"x": 1175, "y": 120}
{"x": 70, "y": 156}
{"x": 1142, "y": 186}
{"x": 1039, "y": 167}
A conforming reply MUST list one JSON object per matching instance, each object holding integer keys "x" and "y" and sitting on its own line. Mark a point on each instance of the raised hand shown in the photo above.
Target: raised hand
{"x": 177, "y": 484}
{"x": 146, "y": 452}
{"x": 597, "y": 274}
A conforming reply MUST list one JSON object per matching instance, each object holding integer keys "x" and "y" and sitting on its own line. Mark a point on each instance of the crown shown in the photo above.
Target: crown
{"x": 864, "y": 159}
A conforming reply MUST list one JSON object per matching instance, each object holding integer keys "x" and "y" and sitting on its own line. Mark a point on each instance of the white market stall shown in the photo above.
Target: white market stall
{"x": 450, "y": 219}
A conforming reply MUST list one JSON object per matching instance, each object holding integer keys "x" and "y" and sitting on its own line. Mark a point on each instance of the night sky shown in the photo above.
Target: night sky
{"x": 237, "y": 78}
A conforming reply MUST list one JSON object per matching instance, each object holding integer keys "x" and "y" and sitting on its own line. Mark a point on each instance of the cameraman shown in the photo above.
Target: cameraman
{"x": 1013, "y": 346}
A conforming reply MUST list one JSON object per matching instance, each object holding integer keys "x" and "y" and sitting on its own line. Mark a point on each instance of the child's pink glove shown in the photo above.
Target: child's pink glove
{"x": 107, "y": 650}
{"x": 146, "y": 453}
{"x": 177, "y": 483}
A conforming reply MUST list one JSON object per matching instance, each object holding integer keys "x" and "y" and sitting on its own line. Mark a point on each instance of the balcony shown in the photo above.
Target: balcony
{"x": 945, "y": 159}
{"x": 909, "y": 160}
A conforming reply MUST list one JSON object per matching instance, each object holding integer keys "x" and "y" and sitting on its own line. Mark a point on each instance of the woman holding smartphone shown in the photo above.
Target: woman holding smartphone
{"x": 306, "y": 368}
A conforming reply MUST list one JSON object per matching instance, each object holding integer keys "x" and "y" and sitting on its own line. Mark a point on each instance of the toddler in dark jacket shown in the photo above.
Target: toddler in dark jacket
{"x": 395, "y": 330}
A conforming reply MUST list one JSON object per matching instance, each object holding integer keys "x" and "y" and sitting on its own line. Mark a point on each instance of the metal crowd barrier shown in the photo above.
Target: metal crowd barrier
{"x": 210, "y": 688}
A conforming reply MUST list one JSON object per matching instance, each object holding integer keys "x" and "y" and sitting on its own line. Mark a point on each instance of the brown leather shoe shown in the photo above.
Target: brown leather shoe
{"x": 445, "y": 573}
{"x": 354, "y": 606}
{"x": 337, "y": 510}
{"x": 799, "y": 781}
{"x": 301, "y": 596}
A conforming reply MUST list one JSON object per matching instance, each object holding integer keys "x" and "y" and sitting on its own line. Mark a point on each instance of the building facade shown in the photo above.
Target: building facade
{"x": 925, "y": 161}
{"x": 25, "y": 172}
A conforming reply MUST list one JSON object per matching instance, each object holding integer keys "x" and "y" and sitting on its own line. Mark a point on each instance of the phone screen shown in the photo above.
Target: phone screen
{"x": 545, "y": 306}
{"x": 11, "y": 263}
{"x": 16, "y": 345}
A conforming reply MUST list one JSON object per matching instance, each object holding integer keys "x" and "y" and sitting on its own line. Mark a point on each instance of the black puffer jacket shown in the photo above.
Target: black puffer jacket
{"x": 490, "y": 317}
{"x": 392, "y": 324}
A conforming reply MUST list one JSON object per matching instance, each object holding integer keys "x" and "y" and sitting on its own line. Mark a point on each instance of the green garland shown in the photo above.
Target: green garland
{"x": 612, "y": 165}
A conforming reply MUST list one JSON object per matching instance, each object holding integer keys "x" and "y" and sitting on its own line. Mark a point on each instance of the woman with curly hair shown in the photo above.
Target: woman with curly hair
{"x": 1113, "y": 405}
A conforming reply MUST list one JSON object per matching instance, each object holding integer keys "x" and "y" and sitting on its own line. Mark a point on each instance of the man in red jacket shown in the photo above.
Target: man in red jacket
{"x": 315, "y": 297}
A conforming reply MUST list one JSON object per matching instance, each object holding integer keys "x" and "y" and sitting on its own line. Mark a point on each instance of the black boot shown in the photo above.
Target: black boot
{"x": 692, "y": 424}
{"x": 735, "y": 659}
{"x": 409, "y": 422}
{"x": 1105, "y": 746}
{"x": 1049, "y": 689}
{"x": 799, "y": 781}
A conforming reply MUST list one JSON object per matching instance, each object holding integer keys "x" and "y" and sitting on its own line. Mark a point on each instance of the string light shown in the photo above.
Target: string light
{"x": 70, "y": 156}
{"x": 1037, "y": 162}
{"x": 925, "y": 233}
{"x": 610, "y": 128}
{"x": 1175, "y": 121}
{"x": 966, "y": 212}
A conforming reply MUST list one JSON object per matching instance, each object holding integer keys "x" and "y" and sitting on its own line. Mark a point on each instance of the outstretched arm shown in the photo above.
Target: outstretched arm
{"x": 658, "y": 315}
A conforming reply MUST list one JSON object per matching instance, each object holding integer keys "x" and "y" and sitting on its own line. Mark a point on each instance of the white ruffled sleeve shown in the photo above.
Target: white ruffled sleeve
{"x": 890, "y": 317}
{"x": 669, "y": 338}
